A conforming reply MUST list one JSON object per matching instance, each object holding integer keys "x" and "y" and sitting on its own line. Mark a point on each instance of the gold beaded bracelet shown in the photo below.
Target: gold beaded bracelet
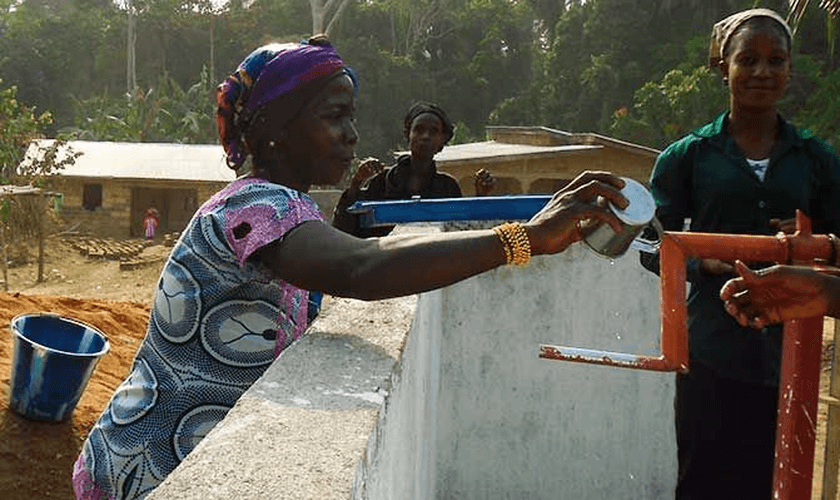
{"x": 515, "y": 243}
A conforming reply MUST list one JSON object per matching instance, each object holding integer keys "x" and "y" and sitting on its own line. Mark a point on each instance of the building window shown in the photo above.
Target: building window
{"x": 92, "y": 196}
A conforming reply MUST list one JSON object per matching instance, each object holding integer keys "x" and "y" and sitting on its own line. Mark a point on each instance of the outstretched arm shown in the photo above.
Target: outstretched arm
{"x": 343, "y": 220}
{"x": 781, "y": 293}
{"x": 316, "y": 256}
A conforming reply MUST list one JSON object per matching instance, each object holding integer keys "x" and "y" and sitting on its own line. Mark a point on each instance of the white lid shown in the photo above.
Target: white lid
{"x": 641, "y": 209}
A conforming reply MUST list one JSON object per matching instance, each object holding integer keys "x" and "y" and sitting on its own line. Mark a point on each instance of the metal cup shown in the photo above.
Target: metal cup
{"x": 606, "y": 242}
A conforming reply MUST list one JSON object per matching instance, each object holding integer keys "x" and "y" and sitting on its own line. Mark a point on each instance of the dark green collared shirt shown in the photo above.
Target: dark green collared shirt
{"x": 705, "y": 177}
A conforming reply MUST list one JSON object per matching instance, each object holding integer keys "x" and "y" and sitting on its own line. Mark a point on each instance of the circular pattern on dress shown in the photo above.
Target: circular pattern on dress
{"x": 241, "y": 333}
{"x": 193, "y": 426}
{"x": 177, "y": 304}
{"x": 135, "y": 396}
{"x": 208, "y": 244}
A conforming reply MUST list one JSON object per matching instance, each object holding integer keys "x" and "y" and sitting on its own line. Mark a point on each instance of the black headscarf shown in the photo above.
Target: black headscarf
{"x": 426, "y": 107}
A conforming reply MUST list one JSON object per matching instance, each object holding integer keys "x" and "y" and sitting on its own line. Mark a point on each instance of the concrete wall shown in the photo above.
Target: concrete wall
{"x": 299, "y": 432}
{"x": 476, "y": 414}
{"x": 466, "y": 409}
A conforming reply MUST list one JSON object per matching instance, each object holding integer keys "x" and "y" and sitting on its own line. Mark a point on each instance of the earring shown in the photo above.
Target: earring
{"x": 272, "y": 144}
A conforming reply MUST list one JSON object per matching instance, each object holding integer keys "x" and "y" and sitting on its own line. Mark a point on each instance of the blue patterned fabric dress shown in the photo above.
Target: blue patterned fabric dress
{"x": 217, "y": 322}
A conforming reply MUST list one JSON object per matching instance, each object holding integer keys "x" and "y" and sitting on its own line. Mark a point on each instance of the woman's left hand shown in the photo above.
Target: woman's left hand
{"x": 484, "y": 182}
{"x": 583, "y": 200}
{"x": 716, "y": 266}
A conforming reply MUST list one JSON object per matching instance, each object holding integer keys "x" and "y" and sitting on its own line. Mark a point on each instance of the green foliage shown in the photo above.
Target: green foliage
{"x": 50, "y": 50}
{"x": 569, "y": 65}
{"x": 666, "y": 110}
{"x": 19, "y": 125}
{"x": 166, "y": 113}
{"x": 462, "y": 133}
{"x": 465, "y": 55}
{"x": 820, "y": 112}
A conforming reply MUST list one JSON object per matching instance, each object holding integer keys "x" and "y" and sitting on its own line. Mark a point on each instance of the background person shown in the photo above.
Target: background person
{"x": 151, "y": 221}
{"x": 427, "y": 128}
{"x": 234, "y": 291}
{"x": 747, "y": 172}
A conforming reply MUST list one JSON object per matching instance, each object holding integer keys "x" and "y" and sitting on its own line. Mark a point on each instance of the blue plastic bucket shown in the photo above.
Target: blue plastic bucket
{"x": 53, "y": 359}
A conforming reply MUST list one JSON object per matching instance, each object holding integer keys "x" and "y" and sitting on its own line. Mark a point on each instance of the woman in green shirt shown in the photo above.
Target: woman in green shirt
{"x": 746, "y": 172}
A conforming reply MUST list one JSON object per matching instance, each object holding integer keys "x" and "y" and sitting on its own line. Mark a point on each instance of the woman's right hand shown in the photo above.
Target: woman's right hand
{"x": 779, "y": 293}
{"x": 367, "y": 169}
{"x": 584, "y": 200}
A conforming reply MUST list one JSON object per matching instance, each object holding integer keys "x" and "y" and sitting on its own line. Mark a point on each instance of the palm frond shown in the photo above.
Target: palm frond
{"x": 832, "y": 6}
{"x": 798, "y": 8}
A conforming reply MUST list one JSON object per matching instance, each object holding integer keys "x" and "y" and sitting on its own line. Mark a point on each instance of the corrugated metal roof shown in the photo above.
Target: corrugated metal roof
{"x": 493, "y": 149}
{"x": 125, "y": 160}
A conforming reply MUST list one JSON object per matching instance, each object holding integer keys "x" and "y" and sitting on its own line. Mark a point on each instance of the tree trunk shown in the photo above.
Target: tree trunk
{"x": 212, "y": 47}
{"x": 40, "y": 209}
{"x": 317, "y": 16}
{"x": 3, "y": 245}
{"x": 320, "y": 10}
{"x": 336, "y": 16}
{"x": 131, "y": 42}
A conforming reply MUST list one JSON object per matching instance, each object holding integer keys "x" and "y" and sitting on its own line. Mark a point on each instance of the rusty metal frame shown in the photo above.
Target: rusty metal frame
{"x": 802, "y": 341}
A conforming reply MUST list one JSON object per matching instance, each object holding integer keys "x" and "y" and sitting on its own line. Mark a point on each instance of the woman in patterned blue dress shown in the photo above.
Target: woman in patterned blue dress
{"x": 233, "y": 293}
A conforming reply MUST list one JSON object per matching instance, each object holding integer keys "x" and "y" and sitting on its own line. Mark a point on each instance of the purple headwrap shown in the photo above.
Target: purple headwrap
{"x": 270, "y": 72}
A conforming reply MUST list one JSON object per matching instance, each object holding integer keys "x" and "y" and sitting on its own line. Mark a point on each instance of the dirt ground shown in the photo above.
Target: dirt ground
{"x": 36, "y": 458}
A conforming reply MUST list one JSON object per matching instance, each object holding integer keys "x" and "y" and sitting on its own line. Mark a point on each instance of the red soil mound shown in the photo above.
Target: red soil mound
{"x": 36, "y": 458}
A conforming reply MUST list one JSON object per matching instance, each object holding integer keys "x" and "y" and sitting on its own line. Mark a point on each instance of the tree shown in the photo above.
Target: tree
{"x": 665, "y": 111}
{"x": 164, "y": 113}
{"x": 20, "y": 126}
{"x": 49, "y": 50}
{"x": 131, "y": 48}
{"x": 325, "y": 14}
{"x": 798, "y": 8}
{"x": 465, "y": 55}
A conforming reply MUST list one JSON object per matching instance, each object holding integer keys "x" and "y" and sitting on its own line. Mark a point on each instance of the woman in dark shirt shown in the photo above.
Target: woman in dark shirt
{"x": 427, "y": 129}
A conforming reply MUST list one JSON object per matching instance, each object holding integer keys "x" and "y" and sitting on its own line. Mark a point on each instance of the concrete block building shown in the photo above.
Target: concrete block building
{"x": 541, "y": 160}
{"x": 112, "y": 184}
